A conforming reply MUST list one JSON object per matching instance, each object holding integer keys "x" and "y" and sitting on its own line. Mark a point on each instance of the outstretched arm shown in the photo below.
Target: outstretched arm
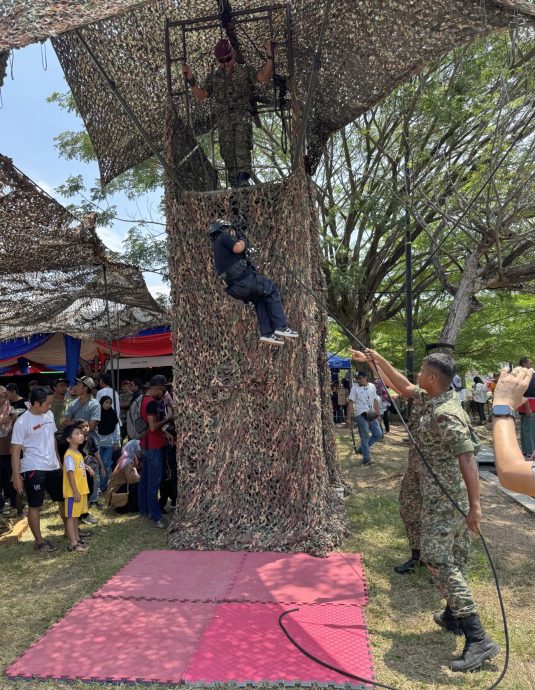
{"x": 514, "y": 472}
{"x": 266, "y": 72}
{"x": 397, "y": 380}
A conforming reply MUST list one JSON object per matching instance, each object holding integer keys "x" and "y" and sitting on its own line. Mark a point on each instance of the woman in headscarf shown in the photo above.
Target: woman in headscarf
{"x": 123, "y": 482}
{"x": 109, "y": 433}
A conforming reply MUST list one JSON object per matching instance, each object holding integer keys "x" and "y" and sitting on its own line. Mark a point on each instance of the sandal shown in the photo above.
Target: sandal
{"x": 78, "y": 548}
{"x": 45, "y": 547}
{"x": 85, "y": 533}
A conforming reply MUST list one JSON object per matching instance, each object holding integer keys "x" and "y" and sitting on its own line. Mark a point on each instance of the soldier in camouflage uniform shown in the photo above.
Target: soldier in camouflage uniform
{"x": 231, "y": 90}
{"x": 410, "y": 498}
{"x": 445, "y": 440}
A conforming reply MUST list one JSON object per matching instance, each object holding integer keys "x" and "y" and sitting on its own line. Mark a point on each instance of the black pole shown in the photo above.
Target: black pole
{"x": 128, "y": 110}
{"x": 314, "y": 76}
{"x": 110, "y": 336}
{"x": 409, "y": 348}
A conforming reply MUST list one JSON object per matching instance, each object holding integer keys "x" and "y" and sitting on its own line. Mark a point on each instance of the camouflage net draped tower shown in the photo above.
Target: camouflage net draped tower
{"x": 256, "y": 457}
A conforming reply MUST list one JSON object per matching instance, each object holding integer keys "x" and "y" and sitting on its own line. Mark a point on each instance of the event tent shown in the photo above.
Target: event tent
{"x": 336, "y": 362}
{"x": 61, "y": 352}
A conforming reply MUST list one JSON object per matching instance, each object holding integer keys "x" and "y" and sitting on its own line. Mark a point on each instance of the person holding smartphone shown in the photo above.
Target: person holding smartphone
{"x": 512, "y": 391}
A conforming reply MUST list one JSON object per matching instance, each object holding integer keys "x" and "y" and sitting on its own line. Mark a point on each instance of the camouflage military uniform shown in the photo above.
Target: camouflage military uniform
{"x": 231, "y": 105}
{"x": 410, "y": 497}
{"x": 445, "y": 542}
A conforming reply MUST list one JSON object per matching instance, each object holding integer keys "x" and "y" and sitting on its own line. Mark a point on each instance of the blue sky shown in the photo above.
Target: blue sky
{"x": 28, "y": 125}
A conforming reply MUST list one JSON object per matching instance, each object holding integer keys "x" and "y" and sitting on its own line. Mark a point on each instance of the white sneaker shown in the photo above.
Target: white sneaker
{"x": 271, "y": 339}
{"x": 287, "y": 333}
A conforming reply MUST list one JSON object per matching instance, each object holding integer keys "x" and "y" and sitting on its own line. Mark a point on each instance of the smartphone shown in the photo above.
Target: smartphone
{"x": 530, "y": 393}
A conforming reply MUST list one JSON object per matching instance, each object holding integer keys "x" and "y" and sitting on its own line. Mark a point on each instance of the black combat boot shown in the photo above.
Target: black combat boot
{"x": 477, "y": 648}
{"x": 410, "y": 565}
{"x": 447, "y": 620}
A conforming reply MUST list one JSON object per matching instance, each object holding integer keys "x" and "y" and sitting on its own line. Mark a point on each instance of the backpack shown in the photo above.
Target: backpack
{"x": 136, "y": 426}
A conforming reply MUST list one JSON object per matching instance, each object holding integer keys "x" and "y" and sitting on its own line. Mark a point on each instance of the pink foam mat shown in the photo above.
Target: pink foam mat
{"x": 267, "y": 577}
{"x": 118, "y": 640}
{"x": 243, "y": 643}
{"x": 175, "y": 576}
{"x": 271, "y": 577}
{"x": 158, "y": 620}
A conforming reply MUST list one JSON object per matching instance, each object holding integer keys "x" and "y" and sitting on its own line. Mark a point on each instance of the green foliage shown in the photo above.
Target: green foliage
{"x": 146, "y": 250}
{"x": 441, "y": 134}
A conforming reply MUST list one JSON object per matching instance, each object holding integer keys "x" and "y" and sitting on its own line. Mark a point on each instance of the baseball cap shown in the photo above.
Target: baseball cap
{"x": 158, "y": 380}
{"x": 60, "y": 380}
{"x": 33, "y": 382}
{"x": 222, "y": 48}
{"x": 87, "y": 381}
{"x": 361, "y": 374}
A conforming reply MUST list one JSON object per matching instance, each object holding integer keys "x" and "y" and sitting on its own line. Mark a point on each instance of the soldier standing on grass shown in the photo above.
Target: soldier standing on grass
{"x": 410, "y": 497}
{"x": 231, "y": 89}
{"x": 445, "y": 441}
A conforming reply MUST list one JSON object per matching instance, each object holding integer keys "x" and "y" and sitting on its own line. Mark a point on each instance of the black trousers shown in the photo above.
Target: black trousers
{"x": 7, "y": 492}
{"x": 168, "y": 485}
{"x": 481, "y": 411}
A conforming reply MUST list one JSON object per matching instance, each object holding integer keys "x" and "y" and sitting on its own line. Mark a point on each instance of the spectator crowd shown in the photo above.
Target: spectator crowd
{"x": 86, "y": 446}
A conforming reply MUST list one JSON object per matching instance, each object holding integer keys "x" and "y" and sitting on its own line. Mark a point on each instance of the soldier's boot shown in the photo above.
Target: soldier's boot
{"x": 447, "y": 620}
{"x": 410, "y": 565}
{"x": 477, "y": 648}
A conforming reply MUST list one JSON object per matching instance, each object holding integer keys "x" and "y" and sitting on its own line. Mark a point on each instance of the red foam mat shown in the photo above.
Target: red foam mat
{"x": 118, "y": 640}
{"x": 175, "y": 576}
{"x": 270, "y": 577}
{"x": 243, "y": 643}
{"x": 267, "y": 577}
{"x": 196, "y": 617}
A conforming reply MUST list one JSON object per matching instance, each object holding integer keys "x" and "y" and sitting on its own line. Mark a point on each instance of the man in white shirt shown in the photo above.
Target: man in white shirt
{"x": 364, "y": 405}
{"x": 40, "y": 468}
{"x": 106, "y": 389}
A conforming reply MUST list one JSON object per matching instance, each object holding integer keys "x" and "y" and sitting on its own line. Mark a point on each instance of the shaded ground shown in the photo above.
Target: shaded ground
{"x": 409, "y": 651}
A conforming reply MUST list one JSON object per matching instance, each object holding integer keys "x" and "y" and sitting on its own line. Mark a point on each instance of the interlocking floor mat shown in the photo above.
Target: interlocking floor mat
{"x": 212, "y": 617}
{"x": 299, "y": 578}
{"x": 118, "y": 640}
{"x": 175, "y": 576}
{"x": 267, "y": 577}
{"x": 244, "y": 643}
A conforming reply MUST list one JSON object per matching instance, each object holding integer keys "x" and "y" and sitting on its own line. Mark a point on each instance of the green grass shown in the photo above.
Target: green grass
{"x": 409, "y": 651}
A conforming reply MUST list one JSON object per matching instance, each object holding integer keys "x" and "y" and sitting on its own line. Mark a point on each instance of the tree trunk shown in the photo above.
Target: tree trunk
{"x": 464, "y": 302}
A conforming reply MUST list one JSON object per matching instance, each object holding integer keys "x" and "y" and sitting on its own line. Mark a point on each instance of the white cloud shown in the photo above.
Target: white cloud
{"x": 112, "y": 238}
{"x": 47, "y": 188}
{"x": 161, "y": 289}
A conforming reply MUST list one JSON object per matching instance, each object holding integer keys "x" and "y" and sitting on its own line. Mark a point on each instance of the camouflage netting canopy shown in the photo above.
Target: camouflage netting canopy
{"x": 370, "y": 47}
{"x": 54, "y": 271}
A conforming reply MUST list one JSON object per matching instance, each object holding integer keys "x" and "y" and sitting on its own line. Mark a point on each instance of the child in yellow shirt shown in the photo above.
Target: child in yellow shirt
{"x": 75, "y": 487}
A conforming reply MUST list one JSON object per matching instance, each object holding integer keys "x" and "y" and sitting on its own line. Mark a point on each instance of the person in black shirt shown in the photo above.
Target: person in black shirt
{"x": 18, "y": 403}
{"x": 244, "y": 283}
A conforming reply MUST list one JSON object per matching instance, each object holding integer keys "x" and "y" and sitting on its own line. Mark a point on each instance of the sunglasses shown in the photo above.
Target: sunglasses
{"x": 226, "y": 59}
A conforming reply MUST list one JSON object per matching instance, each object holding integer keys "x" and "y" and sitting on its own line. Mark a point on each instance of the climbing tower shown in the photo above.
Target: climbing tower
{"x": 255, "y": 447}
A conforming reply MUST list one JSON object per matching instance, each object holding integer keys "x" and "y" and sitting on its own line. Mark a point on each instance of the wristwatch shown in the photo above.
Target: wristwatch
{"x": 502, "y": 411}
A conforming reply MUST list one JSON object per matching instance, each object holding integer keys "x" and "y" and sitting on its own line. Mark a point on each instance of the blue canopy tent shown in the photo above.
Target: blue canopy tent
{"x": 335, "y": 363}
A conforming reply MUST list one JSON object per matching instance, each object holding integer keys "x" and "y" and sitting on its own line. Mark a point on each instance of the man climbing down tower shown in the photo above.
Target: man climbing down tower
{"x": 231, "y": 89}
{"x": 244, "y": 283}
